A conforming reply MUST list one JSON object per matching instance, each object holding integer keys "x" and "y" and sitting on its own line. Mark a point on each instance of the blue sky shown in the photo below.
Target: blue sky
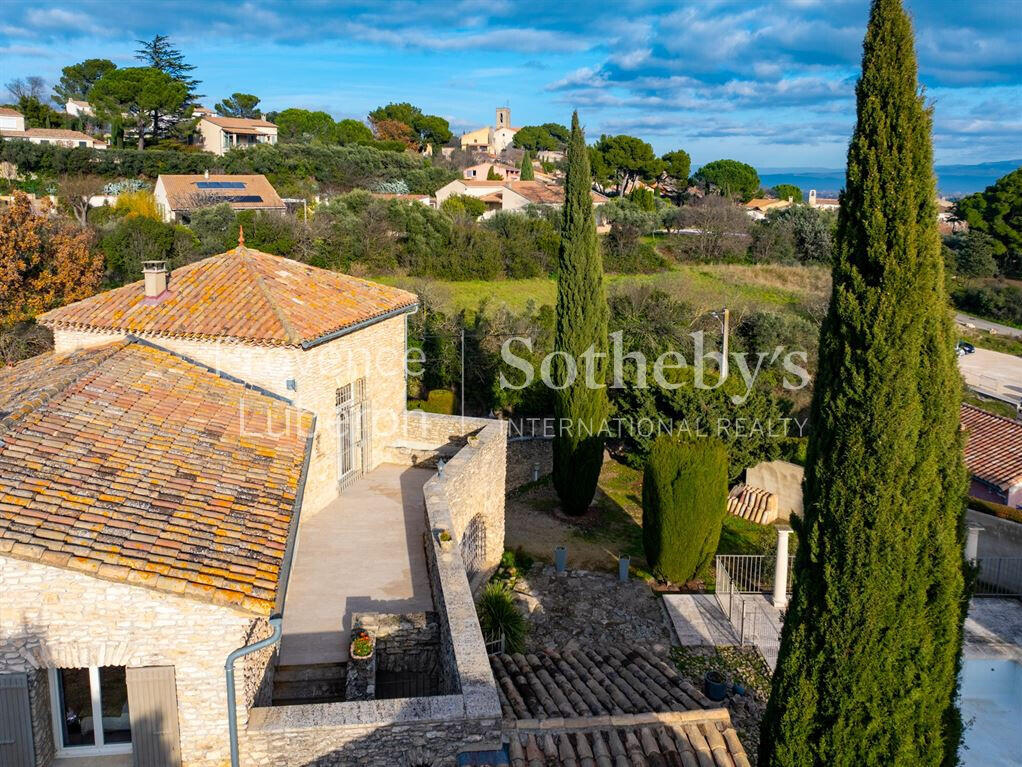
{"x": 770, "y": 83}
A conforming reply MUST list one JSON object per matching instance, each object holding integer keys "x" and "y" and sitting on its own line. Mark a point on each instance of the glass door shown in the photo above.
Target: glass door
{"x": 90, "y": 711}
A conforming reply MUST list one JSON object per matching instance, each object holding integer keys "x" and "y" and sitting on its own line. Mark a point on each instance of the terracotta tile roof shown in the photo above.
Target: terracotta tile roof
{"x": 609, "y": 706}
{"x": 55, "y": 134}
{"x": 130, "y": 463}
{"x": 10, "y": 112}
{"x": 752, "y": 503}
{"x": 993, "y": 447}
{"x": 236, "y": 124}
{"x": 243, "y": 295}
{"x": 184, "y": 192}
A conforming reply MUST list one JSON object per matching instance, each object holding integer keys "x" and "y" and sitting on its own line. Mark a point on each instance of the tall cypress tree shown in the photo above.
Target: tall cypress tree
{"x": 581, "y": 410}
{"x": 527, "y": 172}
{"x": 872, "y": 638}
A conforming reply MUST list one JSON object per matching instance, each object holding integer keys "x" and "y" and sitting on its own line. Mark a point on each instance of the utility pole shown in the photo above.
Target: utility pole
{"x": 724, "y": 318}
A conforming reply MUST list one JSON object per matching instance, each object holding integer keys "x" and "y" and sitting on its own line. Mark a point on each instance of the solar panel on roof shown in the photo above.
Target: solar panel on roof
{"x": 242, "y": 198}
{"x": 220, "y": 184}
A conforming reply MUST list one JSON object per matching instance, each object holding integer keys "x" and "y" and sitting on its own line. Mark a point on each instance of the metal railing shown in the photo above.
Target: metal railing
{"x": 733, "y": 602}
{"x": 999, "y": 577}
{"x": 752, "y": 573}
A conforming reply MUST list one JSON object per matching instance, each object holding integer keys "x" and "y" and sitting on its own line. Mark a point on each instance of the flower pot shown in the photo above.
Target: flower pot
{"x": 363, "y": 658}
{"x": 560, "y": 558}
{"x": 715, "y": 686}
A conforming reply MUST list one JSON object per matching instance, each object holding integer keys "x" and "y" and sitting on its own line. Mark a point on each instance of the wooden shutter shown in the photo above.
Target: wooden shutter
{"x": 152, "y": 703}
{"x": 16, "y": 746}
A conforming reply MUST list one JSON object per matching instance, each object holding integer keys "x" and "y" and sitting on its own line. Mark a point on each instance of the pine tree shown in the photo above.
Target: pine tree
{"x": 581, "y": 410}
{"x": 872, "y": 638}
{"x": 528, "y": 174}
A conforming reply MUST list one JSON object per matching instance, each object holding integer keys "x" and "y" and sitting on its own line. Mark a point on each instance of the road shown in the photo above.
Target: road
{"x": 1004, "y": 330}
{"x": 993, "y": 373}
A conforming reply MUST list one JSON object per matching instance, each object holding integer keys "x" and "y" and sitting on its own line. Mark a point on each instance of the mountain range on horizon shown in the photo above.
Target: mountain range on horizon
{"x": 952, "y": 180}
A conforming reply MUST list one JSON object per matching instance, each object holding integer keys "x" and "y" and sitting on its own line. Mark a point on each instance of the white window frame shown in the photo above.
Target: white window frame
{"x": 57, "y": 716}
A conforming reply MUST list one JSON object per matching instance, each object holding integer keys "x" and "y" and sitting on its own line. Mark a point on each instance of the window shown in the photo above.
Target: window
{"x": 82, "y": 143}
{"x": 90, "y": 710}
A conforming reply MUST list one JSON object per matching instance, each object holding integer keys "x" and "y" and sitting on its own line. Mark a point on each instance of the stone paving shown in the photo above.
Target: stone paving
{"x": 993, "y": 629}
{"x": 699, "y": 621}
{"x": 580, "y": 608}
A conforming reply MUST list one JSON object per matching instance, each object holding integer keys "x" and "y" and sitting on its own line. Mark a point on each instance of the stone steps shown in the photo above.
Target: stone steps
{"x": 312, "y": 683}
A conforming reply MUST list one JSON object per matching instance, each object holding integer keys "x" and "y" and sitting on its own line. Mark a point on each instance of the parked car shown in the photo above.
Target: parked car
{"x": 964, "y": 347}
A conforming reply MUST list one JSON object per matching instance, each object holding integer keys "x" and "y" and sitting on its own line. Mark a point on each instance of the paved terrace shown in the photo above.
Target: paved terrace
{"x": 363, "y": 552}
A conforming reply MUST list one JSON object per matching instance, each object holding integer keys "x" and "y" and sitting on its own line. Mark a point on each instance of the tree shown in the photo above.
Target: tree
{"x": 39, "y": 115}
{"x": 239, "y": 105}
{"x": 677, "y": 167}
{"x": 144, "y": 93}
{"x": 158, "y": 53}
{"x": 997, "y": 211}
{"x": 31, "y": 87}
{"x": 528, "y": 173}
{"x": 352, "y": 132}
{"x": 871, "y": 645}
{"x": 974, "y": 254}
{"x": 77, "y": 80}
{"x": 492, "y": 175}
{"x": 719, "y": 228}
{"x": 394, "y": 130}
{"x": 684, "y": 501}
{"x": 730, "y": 178}
{"x": 303, "y": 125}
{"x": 581, "y": 412}
{"x": 43, "y": 262}
{"x": 628, "y": 159}
{"x": 784, "y": 191}
{"x": 422, "y": 129}
{"x": 76, "y": 191}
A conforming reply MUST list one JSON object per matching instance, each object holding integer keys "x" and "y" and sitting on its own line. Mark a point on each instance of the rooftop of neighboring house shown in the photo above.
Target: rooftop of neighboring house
{"x": 242, "y": 295}
{"x": 537, "y": 192}
{"x": 54, "y": 134}
{"x": 609, "y": 705}
{"x": 238, "y": 124}
{"x": 79, "y": 103}
{"x": 10, "y": 112}
{"x": 394, "y": 196}
{"x": 993, "y": 447}
{"x": 133, "y": 464}
{"x": 752, "y": 503}
{"x": 185, "y": 192}
{"x": 766, "y": 203}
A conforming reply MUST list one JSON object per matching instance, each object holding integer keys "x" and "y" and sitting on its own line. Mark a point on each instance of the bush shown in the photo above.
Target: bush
{"x": 684, "y": 501}
{"x": 138, "y": 205}
{"x": 995, "y": 509}
{"x": 973, "y": 254}
{"x": 459, "y": 205}
{"x": 437, "y": 401}
{"x": 528, "y": 243}
{"x": 499, "y": 615}
{"x": 138, "y": 239}
{"x": 998, "y": 301}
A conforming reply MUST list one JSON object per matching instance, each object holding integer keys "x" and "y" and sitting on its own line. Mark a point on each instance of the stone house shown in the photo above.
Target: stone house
{"x": 491, "y": 139}
{"x": 993, "y": 456}
{"x": 217, "y": 463}
{"x": 505, "y": 195}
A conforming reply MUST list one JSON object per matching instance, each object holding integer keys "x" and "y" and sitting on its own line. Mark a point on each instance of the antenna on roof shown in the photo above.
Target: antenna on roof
{"x": 241, "y": 236}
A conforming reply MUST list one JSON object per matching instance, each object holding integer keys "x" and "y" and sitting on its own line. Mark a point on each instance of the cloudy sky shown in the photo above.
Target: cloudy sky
{"x": 770, "y": 83}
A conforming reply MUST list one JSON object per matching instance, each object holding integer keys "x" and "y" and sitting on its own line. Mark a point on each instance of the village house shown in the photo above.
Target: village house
{"x": 79, "y": 108}
{"x": 178, "y": 195}
{"x": 758, "y": 207}
{"x": 215, "y": 467}
{"x": 993, "y": 456}
{"x": 823, "y": 203}
{"x": 509, "y": 195}
{"x": 11, "y": 120}
{"x": 491, "y": 139}
{"x": 12, "y": 126}
{"x": 482, "y": 170}
{"x": 222, "y": 134}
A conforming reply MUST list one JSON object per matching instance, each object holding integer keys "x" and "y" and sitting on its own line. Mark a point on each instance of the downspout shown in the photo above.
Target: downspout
{"x": 276, "y": 620}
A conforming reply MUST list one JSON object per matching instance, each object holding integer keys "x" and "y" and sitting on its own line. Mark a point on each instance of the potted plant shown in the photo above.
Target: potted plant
{"x": 715, "y": 685}
{"x": 473, "y": 440}
{"x": 445, "y": 538}
{"x": 362, "y": 645}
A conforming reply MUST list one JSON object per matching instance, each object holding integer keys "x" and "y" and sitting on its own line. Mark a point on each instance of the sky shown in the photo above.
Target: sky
{"x": 768, "y": 83}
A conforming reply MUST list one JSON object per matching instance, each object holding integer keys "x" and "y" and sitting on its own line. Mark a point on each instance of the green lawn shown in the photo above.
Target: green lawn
{"x": 702, "y": 286}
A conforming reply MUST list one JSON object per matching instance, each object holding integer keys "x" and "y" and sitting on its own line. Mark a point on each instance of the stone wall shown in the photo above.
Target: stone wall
{"x": 55, "y": 618}
{"x": 784, "y": 480}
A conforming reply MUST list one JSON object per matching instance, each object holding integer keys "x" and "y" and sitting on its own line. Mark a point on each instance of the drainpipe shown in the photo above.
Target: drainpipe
{"x": 276, "y": 622}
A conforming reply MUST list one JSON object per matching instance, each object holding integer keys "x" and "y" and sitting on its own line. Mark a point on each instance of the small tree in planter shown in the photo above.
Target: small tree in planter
{"x": 684, "y": 500}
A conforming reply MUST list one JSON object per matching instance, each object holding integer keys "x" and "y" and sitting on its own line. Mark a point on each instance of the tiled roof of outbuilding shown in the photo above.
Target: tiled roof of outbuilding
{"x": 242, "y": 295}
{"x": 752, "y": 503}
{"x": 993, "y": 447}
{"x": 133, "y": 464}
{"x": 608, "y": 707}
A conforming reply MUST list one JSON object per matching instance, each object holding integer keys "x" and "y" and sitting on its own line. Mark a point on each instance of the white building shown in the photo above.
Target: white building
{"x": 222, "y": 134}
{"x": 493, "y": 139}
{"x": 178, "y": 195}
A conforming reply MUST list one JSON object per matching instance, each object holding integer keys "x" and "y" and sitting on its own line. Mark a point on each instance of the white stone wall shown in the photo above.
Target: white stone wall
{"x": 55, "y": 618}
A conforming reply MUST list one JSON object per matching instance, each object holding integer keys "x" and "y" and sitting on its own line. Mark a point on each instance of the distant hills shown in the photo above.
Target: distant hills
{"x": 952, "y": 180}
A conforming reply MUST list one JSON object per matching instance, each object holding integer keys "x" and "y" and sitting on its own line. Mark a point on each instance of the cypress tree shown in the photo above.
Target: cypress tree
{"x": 581, "y": 410}
{"x": 527, "y": 172}
{"x": 867, "y": 673}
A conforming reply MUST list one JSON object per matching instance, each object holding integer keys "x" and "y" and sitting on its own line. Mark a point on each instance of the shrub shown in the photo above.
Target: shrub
{"x": 138, "y": 204}
{"x": 684, "y": 500}
{"x": 463, "y": 205}
{"x": 437, "y": 401}
{"x": 134, "y": 240}
{"x": 499, "y": 615}
{"x": 995, "y": 509}
{"x": 999, "y": 301}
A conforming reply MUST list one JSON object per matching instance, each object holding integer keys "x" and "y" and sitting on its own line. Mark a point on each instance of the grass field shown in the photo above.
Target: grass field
{"x": 701, "y": 286}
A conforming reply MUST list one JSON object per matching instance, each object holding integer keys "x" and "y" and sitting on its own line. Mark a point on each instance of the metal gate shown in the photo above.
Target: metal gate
{"x": 354, "y": 446}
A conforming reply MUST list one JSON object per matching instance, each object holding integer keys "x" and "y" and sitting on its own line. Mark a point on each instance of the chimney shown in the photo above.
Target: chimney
{"x": 155, "y": 275}
{"x": 206, "y": 173}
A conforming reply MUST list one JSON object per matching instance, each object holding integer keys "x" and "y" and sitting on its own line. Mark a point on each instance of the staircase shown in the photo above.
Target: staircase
{"x": 310, "y": 683}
